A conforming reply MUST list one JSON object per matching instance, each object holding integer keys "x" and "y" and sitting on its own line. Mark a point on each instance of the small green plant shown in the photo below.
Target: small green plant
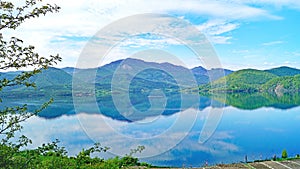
{"x": 284, "y": 154}
{"x": 84, "y": 157}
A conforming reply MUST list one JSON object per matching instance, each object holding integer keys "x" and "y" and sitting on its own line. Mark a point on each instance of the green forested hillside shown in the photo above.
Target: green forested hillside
{"x": 277, "y": 80}
{"x": 248, "y": 80}
{"x": 52, "y": 81}
{"x": 52, "y": 77}
{"x": 284, "y": 71}
{"x": 283, "y": 84}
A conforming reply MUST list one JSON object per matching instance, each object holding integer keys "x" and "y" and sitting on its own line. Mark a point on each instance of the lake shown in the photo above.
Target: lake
{"x": 256, "y": 125}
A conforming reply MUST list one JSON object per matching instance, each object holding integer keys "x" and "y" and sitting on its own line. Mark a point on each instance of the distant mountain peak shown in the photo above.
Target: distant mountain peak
{"x": 199, "y": 68}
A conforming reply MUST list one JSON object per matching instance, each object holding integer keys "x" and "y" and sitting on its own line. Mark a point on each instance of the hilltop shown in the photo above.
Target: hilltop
{"x": 278, "y": 80}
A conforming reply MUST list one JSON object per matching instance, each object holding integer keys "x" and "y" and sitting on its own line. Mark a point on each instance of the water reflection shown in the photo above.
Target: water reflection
{"x": 259, "y": 133}
{"x": 251, "y": 101}
{"x": 244, "y": 101}
{"x": 257, "y": 125}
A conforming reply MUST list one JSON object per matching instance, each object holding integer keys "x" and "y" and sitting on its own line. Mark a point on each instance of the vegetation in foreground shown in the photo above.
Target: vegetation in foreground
{"x": 52, "y": 156}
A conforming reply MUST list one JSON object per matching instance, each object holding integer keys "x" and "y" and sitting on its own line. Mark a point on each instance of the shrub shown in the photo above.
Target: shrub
{"x": 284, "y": 154}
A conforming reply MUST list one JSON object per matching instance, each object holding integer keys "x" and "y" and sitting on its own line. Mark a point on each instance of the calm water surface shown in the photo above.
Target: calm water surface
{"x": 258, "y": 133}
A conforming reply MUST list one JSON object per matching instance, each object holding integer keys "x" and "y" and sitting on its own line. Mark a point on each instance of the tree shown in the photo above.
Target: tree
{"x": 284, "y": 154}
{"x": 15, "y": 55}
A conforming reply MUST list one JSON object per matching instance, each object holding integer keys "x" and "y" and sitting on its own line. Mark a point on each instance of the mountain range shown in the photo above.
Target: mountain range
{"x": 55, "y": 81}
{"x": 166, "y": 76}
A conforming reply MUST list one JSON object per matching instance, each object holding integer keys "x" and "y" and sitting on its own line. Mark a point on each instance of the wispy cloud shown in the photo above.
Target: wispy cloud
{"x": 227, "y": 13}
{"x": 53, "y": 33}
{"x": 241, "y": 51}
{"x": 217, "y": 145}
{"x": 275, "y": 130}
{"x": 294, "y": 4}
{"x": 215, "y": 30}
{"x": 273, "y": 43}
{"x": 220, "y": 9}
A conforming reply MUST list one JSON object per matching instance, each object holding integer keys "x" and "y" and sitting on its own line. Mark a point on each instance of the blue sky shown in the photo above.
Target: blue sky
{"x": 245, "y": 34}
{"x": 264, "y": 43}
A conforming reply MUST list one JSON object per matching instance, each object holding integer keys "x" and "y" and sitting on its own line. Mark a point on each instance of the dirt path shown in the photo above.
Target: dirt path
{"x": 288, "y": 164}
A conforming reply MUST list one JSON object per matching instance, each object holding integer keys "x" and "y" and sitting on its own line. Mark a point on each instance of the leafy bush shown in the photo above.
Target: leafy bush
{"x": 284, "y": 154}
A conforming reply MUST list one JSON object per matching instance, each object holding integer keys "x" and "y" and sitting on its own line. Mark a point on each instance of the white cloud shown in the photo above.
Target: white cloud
{"x": 217, "y": 145}
{"x": 220, "y": 39}
{"x": 241, "y": 51}
{"x": 214, "y": 30}
{"x": 272, "y": 43}
{"x": 85, "y": 18}
{"x": 294, "y": 4}
{"x": 155, "y": 43}
{"x": 219, "y": 9}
